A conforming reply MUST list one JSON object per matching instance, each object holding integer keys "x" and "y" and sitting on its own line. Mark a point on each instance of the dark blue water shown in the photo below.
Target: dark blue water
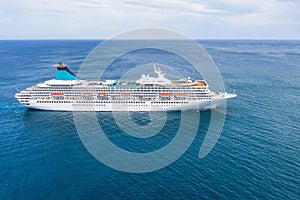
{"x": 257, "y": 155}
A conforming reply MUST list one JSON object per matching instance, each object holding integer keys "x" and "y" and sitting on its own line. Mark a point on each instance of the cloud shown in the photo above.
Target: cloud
{"x": 196, "y": 18}
{"x": 263, "y": 13}
{"x": 177, "y": 6}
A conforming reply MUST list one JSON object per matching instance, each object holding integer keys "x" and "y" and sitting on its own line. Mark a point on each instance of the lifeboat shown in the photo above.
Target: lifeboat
{"x": 125, "y": 95}
{"x": 165, "y": 95}
{"x": 57, "y": 95}
{"x": 200, "y": 83}
{"x": 102, "y": 95}
{"x": 180, "y": 94}
{"x": 87, "y": 95}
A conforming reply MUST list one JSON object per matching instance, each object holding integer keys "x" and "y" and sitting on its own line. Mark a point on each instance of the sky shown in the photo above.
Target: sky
{"x": 102, "y": 19}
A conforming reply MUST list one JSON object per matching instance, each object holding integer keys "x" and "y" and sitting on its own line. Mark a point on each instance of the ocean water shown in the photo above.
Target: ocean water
{"x": 256, "y": 157}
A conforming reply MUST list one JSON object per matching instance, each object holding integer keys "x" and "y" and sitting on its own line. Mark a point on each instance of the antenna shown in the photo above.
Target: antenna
{"x": 155, "y": 69}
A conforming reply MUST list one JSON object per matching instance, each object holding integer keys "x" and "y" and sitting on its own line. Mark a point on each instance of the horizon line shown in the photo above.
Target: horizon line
{"x": 101, "y": 39}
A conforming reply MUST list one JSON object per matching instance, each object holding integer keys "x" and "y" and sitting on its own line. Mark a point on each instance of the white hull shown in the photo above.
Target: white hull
{"x": 125, "y": 106}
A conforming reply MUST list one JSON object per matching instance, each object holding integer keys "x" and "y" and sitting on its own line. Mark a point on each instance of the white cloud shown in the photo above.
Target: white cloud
{"x": 264, "y": 13}
{"x": 103, "y": 18}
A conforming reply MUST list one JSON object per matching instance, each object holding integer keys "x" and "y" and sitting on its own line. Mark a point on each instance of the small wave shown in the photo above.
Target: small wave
{"x": 11, "y": 106}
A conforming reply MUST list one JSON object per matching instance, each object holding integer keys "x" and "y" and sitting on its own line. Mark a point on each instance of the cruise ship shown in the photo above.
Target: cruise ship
{"x": 67, "y": 92}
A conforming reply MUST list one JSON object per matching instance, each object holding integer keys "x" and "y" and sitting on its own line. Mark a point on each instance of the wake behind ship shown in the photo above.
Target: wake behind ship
{"x": 67, "y": 92}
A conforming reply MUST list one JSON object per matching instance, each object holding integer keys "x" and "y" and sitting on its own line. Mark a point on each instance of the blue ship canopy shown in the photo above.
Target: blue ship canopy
{"x": 62, "y": 74}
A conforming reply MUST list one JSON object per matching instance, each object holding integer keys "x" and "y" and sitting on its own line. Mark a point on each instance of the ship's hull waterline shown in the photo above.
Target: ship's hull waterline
{"x": 122, "y": 107}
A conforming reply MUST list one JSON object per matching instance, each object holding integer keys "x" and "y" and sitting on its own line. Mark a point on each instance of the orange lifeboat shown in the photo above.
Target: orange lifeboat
{"x": 165, "y": 94}
{"x": 57, "y": 94}
{"x": 125, "y": 93}
{"x": 87, "y": 93}
{"x": 180, "y": 95}
{"x": 199, "y": 83}
{"x": 101, "y": 93}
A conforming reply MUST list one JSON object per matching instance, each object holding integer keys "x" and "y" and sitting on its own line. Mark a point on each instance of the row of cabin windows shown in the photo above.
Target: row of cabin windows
{"x": 54, "y": 101}
{"x": 120, "y": 90}
{"x": 130, "y": 102}
{"x": 128, "y": 105}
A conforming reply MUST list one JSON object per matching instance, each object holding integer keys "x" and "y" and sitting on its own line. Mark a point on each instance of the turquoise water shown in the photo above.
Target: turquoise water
{"x": 256, "y": 157}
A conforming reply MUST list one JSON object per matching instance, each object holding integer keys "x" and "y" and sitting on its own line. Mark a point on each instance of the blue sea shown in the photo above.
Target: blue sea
{"x": 256, "y": 157}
